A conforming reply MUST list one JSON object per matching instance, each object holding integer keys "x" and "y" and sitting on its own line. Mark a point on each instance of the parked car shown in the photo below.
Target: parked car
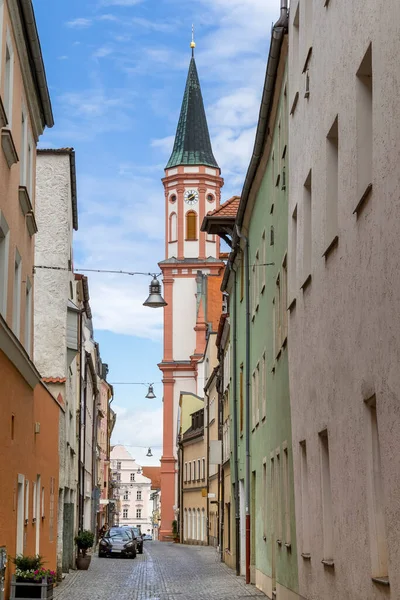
{"x": 139, "y": 538}
{"x": 117, "y": 541}
{"x": 148, "y": 537}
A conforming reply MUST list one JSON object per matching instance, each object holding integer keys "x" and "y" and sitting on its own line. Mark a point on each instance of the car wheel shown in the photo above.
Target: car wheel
{"x": 134, "y": 554}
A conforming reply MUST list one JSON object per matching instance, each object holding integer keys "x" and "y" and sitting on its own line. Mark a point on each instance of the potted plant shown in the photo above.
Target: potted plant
{"x": 175, "y": 533}
{"x": 84, "y": 541}
{"x": 31, "y": 580}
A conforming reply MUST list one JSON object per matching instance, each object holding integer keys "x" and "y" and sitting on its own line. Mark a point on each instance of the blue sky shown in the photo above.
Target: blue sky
{"x": 116, "y": 71}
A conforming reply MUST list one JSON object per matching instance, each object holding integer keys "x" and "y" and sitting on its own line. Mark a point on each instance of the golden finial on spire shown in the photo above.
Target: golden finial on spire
{"x": 193, "y": 43}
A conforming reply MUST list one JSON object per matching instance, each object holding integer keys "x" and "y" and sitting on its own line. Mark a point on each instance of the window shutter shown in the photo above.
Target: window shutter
{"x": 191, "y": 222}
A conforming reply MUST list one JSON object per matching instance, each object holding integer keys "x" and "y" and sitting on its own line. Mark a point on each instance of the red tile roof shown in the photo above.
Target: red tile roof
{"x": 54, "y": 379}
{"x": 153, "y": 473}
{"x": 228, "y": 209}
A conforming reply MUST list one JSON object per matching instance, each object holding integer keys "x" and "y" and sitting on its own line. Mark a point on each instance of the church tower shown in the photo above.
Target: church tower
{"x": 192, "y": 186}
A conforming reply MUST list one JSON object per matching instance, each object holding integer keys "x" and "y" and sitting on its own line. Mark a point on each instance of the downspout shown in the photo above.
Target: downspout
{"x": 94, "y": 464}
{"x": 208, "y": 468}
{"x": 180, "y": 495}
{"x": 234, "y": 404}
{"x": 83, "y": 466}
{"x": 247, "y": 402}
{"x": 80, "y": 427}
{"x": 221, "y": 466}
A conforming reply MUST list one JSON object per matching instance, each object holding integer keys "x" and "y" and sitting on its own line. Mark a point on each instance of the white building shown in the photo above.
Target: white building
{"x": 134, "y": 490}
{"x": 56, "y": 322}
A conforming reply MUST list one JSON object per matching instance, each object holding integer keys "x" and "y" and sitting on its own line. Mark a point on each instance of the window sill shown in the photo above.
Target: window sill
{"x": 326, "y": 3}
{"x": 172, "y": 241}
{"x": 279, "y": 542}
{"x": 363, "y": 200}
{"x": 306, "y": 555}
{"x": 24, "y": 200}
{"x": 332, "y": 246}
{"x": 328, "y": 563}
{"x": 263, "y": 288}
{"x": 8, "y": 146}
{"x": 306, "y": 63}
{"x": 307, "y": 283}
{"x": 188, "y": 240}
{"x": 3, "y": 116}
{"x": 288, "y": 546}
{"x": 381, "y": 581}
{"x": 294, "y": 104}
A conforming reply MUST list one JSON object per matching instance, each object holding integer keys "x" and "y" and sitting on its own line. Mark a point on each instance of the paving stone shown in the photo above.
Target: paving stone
{"x": 165, "y": 571}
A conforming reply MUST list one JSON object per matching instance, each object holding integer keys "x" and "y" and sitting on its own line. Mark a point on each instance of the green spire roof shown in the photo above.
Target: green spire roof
{"x": 192, "y": 141}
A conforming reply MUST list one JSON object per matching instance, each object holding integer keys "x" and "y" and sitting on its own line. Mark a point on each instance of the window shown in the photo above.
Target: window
{"x": 29, "y": 167}
{"x": 286, "y": 489}
{"x": 191, "y": 225}
{"x": 173, "y": 234}
{"x": 51, "y": 509}
{"x": 264, "y": 260}
{"x": 12, "y": 427}
{"x": 364, "y": 127}
{"x": 204, "y": 468}
{"x": 296, "y": 46}
{"x": 194, "y": 470}
{"x": 264, "y": 386}
{"x": 118, "y": 465}
{"x": 375, "y": 496}
{"x": 124, "y": 513}
{"x": 43, "y": 504}
{"x": 132, "y": 476}
{"x": 228, "y": 526}
{"x": 138, "y": 513}
{"x": 186, "y": 472}
{"x": 8, "y": 80}
{"x": 242, "y": 275}
{"x": 4, "y": 246}
{"x": 190, "y": 471}
{"x": 264, "y": 496}
{"x": 307, "y": 227}
{"x": 277, "y": 315}
{"x": 332, "y": 181}
{"x": 293, "y": 256}
{"x": 34, "y": 501}
{"x": 26, "y": 501}
{"x": 326, "y": 493}
{"x": 28, "y": 315}
{"x": 118, "y": 476}
{"x": 278, "y": 498}
{"x": 16, "y": 323}
{"x": 284, "y": 302}
{"x": 126, "y": 495}
{"x": 24, "y": 134}
{"x": 172, "y": 198}
{"x": 198, "y": 470}
{"x": 241, "y": 407}
{"x": 138, "y": 495}
{"x": 304, "y": 498}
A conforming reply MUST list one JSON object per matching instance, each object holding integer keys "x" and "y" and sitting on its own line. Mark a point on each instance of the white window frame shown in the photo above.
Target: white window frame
{"x": 138, "y": 513}
{"x": 28, "y": 315}
{"x": 132, "y": 477}
{"x": 42, "y": 511}
{"x": 8, "y": 101}
{"x": 23, "y": 154}
{"x": 26, "y": 514}
{"x": 16, "y": 318}
{"x": 139, "y": 495}
{"x": 4, "y": 262}
{"x": 125, "y": 513}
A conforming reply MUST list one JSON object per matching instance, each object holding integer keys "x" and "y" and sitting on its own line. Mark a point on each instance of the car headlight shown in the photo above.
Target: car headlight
{"x": 129, "y": 545}
{"x": 103, "y": 543}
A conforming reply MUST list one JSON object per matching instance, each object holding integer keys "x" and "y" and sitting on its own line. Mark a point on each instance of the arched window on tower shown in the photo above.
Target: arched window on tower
{"x": 173, "y": 227}
{"x": 191, "y": 225}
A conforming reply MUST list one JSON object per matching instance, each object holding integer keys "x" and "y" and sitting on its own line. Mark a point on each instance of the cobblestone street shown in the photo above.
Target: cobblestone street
{"x": 165, "y": 571}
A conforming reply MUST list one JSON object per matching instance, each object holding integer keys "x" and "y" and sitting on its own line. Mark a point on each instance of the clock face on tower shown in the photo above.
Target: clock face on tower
{"x": 191, "y": 197}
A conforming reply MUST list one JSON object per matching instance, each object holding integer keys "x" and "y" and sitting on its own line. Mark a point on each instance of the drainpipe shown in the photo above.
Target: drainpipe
{"x": 221, "y": 469}
{"x": 208, "y": 468}
{"x": 234, "y": 404}
{"x": 247, "y": 401}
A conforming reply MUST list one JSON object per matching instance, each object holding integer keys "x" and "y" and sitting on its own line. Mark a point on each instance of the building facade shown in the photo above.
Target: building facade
{"x": 192, "y": 185}
{"x": 343, "y": 260}
{"x": 56, "y": 323}
{"x": 133, "y": 488}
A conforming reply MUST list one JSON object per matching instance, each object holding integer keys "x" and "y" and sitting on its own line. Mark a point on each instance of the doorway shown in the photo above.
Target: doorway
{"x": 242, "y": 528}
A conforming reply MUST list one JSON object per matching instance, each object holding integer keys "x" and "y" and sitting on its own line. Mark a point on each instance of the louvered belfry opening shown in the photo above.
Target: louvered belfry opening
{"x": 191, "y": 225}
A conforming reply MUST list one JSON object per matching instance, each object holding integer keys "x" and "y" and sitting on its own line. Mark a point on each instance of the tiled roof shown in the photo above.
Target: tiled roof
{"x": 54, "y": 379}
{"x": 228, "y": 209}
{"x": 55, "y": 150}
{"x": 192, "y": 141}
{"x": 153, "y": 473}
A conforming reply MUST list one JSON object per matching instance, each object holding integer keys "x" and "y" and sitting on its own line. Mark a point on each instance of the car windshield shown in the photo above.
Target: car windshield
{"x": 117, "y": 533}
{"x": 136, "y": 530}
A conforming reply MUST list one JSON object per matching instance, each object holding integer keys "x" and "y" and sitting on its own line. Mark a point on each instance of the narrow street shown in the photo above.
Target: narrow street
{"x": 165, "y": 571}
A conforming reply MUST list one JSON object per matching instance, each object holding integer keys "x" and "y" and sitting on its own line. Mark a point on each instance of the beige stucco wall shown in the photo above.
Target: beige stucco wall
{"x": 19, "y": 238}
{"x": 344, "y": 330}
{"x": 192, "y": 492}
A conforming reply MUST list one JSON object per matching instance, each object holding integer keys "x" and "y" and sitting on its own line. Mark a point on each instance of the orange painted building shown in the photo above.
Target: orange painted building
{"x": 29, "y": 414}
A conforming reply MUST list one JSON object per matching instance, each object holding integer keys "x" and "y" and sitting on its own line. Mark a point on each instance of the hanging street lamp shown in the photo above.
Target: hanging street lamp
{"x": 149, "y": 453}
{"x": 150, "y": 394}
{"x": 155, "y": 300}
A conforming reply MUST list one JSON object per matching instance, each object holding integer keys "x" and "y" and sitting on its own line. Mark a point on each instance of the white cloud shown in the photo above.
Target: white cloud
{"x": 139, "y": 429}
{"x": 120, "y": 2}
{"x": 64, "y": 57}
{"x": 102, "y": 52}
{"x": 79, "y": 23}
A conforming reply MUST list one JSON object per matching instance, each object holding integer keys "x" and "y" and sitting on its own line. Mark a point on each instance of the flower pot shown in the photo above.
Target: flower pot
{"x": 25, "y": 591}
{"x": 83, "y": 562}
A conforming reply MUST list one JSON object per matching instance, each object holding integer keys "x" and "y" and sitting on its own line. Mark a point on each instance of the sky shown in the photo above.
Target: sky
{"x": 116, "y": 71}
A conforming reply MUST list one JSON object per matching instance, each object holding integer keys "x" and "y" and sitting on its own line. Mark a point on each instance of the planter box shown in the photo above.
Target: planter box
{"x": 26, "y": 591}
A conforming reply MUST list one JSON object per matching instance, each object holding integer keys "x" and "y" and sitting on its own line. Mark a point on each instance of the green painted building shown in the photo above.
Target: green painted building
{"x": 256, "y": 280}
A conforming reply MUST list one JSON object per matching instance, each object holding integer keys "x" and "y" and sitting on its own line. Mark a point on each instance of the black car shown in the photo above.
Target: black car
{"x": 139, "y": 538}
{"x": 117, "y": 541}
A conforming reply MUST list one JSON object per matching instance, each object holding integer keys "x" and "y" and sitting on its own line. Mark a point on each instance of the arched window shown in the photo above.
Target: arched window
{"x": 194, "y": 533}
{"x": 189, "y": 527}
{"x": 203, "y": 525}
{"x": 199, "y": 525}
{"x": 191, "y": 225}
{"x": 185, "y": 525}
{"x": 172, "y": 227}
